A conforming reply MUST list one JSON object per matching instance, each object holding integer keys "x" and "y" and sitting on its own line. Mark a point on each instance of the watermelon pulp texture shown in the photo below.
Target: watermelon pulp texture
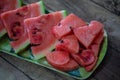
{"x": 89, "y": 36}
{"x": 14, "y": 24}
{"x": 66, "y": 25}
{"x": 61, "y": 60}
{"x": 40, "y": 32}
{"x": 68, "y": 43}
{"x": 6, "y": 5}
{"x": 86, "y": 34}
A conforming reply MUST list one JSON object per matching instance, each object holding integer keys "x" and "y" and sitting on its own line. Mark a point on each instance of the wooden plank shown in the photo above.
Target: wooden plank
{"x": 111, "y": 5}
{"x": 8, "y": 72}
{"x": 35, "y": 72}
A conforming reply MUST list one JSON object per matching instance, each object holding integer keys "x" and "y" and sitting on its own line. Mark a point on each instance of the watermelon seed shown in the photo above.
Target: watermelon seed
{"x": 53, "y": 50}
{"x": 59, "y": 24}
{"x": 16, "y": 24}
{"x": 18, "y": 14}
{"x": 35, "y": 44}
{"x": 61, "y": 41}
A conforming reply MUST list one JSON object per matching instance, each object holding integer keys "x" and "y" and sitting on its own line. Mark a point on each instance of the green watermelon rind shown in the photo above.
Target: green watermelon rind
{"x": 40, "y": 55}
{"x": 49, "y": 49}
{"x": 19, "y": 3}
{"x": 2, "y": 33}
{"x": 42, "y": 7}
{"x": 22, "y": 46}
{"x": 64, "y": 13}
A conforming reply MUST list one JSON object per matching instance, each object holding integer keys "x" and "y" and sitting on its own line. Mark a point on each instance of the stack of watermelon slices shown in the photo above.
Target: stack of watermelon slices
{"x": 78, "y": 43}
{"x": 7, "y": 5}
{"x": 14, "y": 24}
{"x": 66, "y": 42}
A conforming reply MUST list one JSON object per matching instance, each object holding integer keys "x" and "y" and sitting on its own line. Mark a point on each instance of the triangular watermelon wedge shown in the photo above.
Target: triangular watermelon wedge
{"x": 40, "y": 32}
{"x": 86, "y": 34}
{"x": 14, "y": 24}
{"x": 7, "y": 5}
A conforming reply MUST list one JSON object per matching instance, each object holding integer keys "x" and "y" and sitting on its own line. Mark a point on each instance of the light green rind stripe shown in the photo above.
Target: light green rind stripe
{"x": 19, "y": 3}
{"x": 42, "y": 7}
{"x": 22, "y": 46}
{"x": 2, "y": 33}
{"x": 64, "y": 13}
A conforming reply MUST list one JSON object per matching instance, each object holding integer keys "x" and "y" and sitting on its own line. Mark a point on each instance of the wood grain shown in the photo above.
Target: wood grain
{"x": 8, "y": 72}
{"x": 111, "y": 5}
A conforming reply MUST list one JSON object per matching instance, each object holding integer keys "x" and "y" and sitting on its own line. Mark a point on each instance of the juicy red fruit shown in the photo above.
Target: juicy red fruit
{"x": 68, "y": 43}
{"x": 58, "y": 58}
{"x": 85, "y": 58}
{"x": 66, "y": 25}
{"x": 87, "y": 34}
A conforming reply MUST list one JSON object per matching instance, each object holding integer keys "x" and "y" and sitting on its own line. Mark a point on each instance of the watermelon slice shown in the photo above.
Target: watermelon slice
{"x": 14, "y": 24}
{"x": 58, "y": 58}
{"x": 64, "y": 27}
{"x": 85, "y": 58}
{"x": 87, "y": 34}
{"x": 40, "y": 32}
{"x": 62, "y": 61}
{"x": 68, "y": 43}
{"x": 95, "y": 46}
{"x": 6, "y": 5}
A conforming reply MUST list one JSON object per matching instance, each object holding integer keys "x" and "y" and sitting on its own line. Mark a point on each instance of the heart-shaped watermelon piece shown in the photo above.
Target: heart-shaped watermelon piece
{"x": 86, "y": 34}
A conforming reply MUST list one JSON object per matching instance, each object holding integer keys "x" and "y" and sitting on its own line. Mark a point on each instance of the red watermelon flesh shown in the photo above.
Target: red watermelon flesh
{"x": 68, "y": 43}
{"x": 87, "y": 34}
{"x": 98, "y": 39}
{"x": 64, "y": 27}
{"x": 58, "y": 57}
{"x": 85, "y": 58}
{"x": 40, "y": 32}
{"x": 91, "y": 66}
{"x": 6, "y": 5}
{"x": 95, "y": 46}
{"x": 14, "y": 24}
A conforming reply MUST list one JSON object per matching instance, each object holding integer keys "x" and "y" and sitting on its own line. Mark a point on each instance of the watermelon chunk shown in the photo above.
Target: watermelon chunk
{"x": 91, "y": 66}
{"x": 6, "y": 5}
{"x": 64, "y": 27}
{"x": 68, "y": 43}
{"x": 14, "y": 24}
{"x": 87, "y": 34}
{"x": 85, "y": 58}
{"x": 62, "y": 61}
{"x": 58, "y": 57}
{"x": 95, "y": 46}
{"x": 40, "y": 32}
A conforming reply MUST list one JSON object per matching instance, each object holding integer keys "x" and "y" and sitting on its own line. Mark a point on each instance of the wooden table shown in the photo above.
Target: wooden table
{"x": 106, "y": 11}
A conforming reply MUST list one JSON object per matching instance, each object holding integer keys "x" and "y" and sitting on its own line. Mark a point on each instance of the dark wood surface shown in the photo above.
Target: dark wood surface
{"x": 106, "y": 11}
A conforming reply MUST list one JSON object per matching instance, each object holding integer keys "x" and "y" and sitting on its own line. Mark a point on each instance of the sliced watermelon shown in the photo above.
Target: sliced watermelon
{"x": 40, "y": 32}
{"x": 6, "y": 5}
{"x": 95, "y": 46}
{"x": 58, "y": 57}
{"x": 61, "y": 60}
{"x": 68, "y": 43}
{"x": 14, "y": 24}
{"x": 64, "y": 27}
{"x": 91, "y": 66}
{"x": 85, "y": 58}
{"x": 87, "y": 34}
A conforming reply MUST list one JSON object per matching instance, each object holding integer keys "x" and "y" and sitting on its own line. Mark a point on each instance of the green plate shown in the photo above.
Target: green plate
{"x": 26, "y": 55}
